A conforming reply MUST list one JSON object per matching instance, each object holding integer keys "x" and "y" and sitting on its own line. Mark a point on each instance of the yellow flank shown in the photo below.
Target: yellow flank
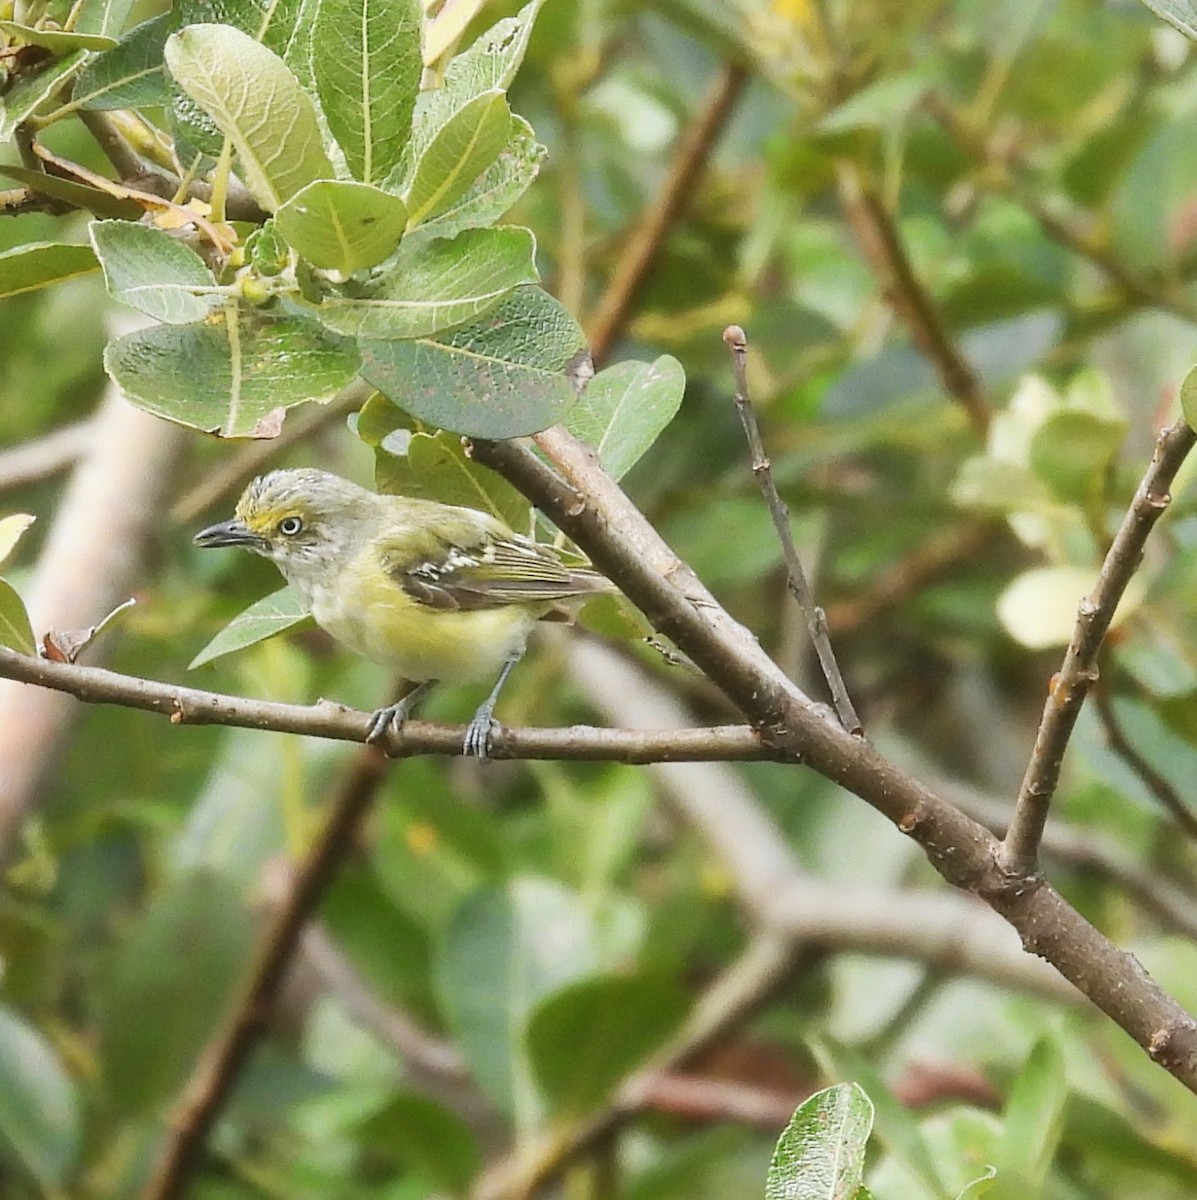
{"x": 383, "y": 623}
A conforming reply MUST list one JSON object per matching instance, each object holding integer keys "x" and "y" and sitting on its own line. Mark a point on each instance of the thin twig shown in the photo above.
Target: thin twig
{"x": 1157, "y": 784}
{"x": 816, "y": 619}
{"x": 644, "y": 243}
{"x": 882, "y": 245}
{"x": 190, "y": 706}
{"x": 126, "y": 162}
{"x": 221, "y": 1062}
{"x": 1020, "y": 848}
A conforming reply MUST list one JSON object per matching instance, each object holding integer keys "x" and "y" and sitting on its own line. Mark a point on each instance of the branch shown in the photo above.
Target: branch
{"x": 325, "y": 719}
{"x": 1067, "y": 691}
{"x": 591, "y": 509}
{"x": 882, "y": 245}
{"x": 220, "y": 1064}
{"x": 644, "y": 244}
{"x": 816, "y": 619}
{"x": 35, "y": 460}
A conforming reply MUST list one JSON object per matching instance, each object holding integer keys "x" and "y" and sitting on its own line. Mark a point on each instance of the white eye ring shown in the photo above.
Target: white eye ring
{"x": 290, "y": 526}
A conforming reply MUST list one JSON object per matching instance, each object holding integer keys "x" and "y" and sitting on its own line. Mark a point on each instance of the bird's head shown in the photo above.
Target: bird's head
{"x": 305, "y": 520}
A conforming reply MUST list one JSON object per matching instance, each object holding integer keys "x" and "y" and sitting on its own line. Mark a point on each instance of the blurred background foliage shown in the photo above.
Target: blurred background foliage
{"x": 1018, "y": 176}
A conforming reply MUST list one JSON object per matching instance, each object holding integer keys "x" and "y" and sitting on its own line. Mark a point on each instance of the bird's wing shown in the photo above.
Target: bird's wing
{"x": 491, "y": 571}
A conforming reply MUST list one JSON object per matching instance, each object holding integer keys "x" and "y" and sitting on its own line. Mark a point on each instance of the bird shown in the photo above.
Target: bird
{"x": 436, "y": 592}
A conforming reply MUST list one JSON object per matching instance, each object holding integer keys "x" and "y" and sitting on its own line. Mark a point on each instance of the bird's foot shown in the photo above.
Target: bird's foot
{"x": 394, "y": 716}
{"x": 478, "y": 733}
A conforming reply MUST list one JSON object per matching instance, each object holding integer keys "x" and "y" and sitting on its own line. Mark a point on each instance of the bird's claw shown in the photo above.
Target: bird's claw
{"x": 478, "y": 734}
{"x": 393, "y": 716}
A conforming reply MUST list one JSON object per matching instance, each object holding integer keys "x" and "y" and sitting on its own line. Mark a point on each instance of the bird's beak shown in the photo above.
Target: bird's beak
{"x": 230, "y": 533}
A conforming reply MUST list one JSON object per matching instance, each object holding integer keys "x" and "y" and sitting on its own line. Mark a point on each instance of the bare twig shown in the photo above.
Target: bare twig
{"x": 124, "y": 159}
{"x": 644, "y": 244}
{"x": 221, "y": 1062}
{"x": 190, "y": 706}
{"x": 882, "y": 245}
{"x": 1157, "y": 784}
{"x": 1068, "y": 689}
{"x": 816, "y": 619}
{"x": 591, "y": 509}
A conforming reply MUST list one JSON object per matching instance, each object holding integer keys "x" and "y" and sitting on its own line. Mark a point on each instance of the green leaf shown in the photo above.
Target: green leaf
{"x": 585, "y": 1039}
{"x": 821, "y": 1153}
{"x": 1180, "y": 14}
{"x": 493, "y": 58}
{"x": 153, "y": 272}
{"x": 257, "y": 103}
{"x": 343, "y": 226}
{"x": 491, "y": 195}
{"x": 433, "y": 285}
{"x": 261, "y": 620}
{"x": 90, "y": 199}
{"x": 979, "y": 1186}
{"x": 39, "y": 264}
{"x": 367, "y": 75}
{"x": 15, "y": 631}
{"x": 107, "y": 17}
{"x": 504, "y": 376}
{"x": 434, "y": 466}
{"x": 131, "y": 74}
{"x": 39, "y": 1107}
{"x": 276, "y": 24}
{"x": 1034, "y": 1121}
{"x": 11, "y": 529}
{"x": 465, "y": 146}
{"x": 435, "y": 1143}
{"x": 1188, "y": 398}
{"x": 1073, "y": 450}
{"x": 235, "y": 373}
{"x": 180, "y": 964}
{"x": 30, "y": 91}
{"x": 57, "y": 40}
{"x": 506, "y": 949}
{"x": 624, "y": 409}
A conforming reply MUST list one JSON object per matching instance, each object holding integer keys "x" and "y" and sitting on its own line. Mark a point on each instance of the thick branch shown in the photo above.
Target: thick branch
{"x": 1067, "y": 692}
{"x": 589, "y": 507}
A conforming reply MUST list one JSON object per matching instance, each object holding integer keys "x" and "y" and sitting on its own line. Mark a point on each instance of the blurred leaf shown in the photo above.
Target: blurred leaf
{"x": 995, "y": 485}
{"x": 38, "y": 264}
{"x": 57, "y": 40}
{"x": 887, "y": 102}
{"x": 11, "y": 528}
{"x": 493, "y": 193}
{"x": 1188, "y": 398}
{"x": 465, "y": 146}
{"x": 433, "y": 285}
{"x": 447, "y": 26}
{"x": 367, "y": 75}
{"x": 233, "y": 374}
{"x": 1039, "y": 607}
{"x": 263, "y": 619}
{"x": 624, "y": 408}
{"x": 342, "y": 226}
{"x": 39, "y": 1108}
{"x": 1072, "y": 451}
{"x": 130, "y": 75}
{"x": 504, "y": 951}
{"x": 257, "y": 103}
{"x": 586, "y": 1038}
{"x": 15, "y": 631}
{"x": 153, "y": 272}
{"x": 1180, "y": 14}
{"x": 432, "y": 1141}
{"x": 1034, "y": 1120}
{"x": 979, "y": 1186}
{"x": 504, "y": 376}
{"x": 821, "y": 1154}
{"x": 26, "y": 95}
{"x": 179, "y": 962}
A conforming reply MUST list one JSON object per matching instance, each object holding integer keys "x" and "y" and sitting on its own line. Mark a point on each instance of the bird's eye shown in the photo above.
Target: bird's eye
{"x": 290, "y": 526}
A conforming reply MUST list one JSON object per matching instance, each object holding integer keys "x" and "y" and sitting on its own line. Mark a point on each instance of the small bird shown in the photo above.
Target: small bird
{"x": 433, "y": 591}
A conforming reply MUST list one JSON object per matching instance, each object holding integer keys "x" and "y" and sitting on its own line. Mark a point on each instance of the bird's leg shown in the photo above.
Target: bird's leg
{"x": 477, "y": 738}
{"x": 394, "y": 715}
